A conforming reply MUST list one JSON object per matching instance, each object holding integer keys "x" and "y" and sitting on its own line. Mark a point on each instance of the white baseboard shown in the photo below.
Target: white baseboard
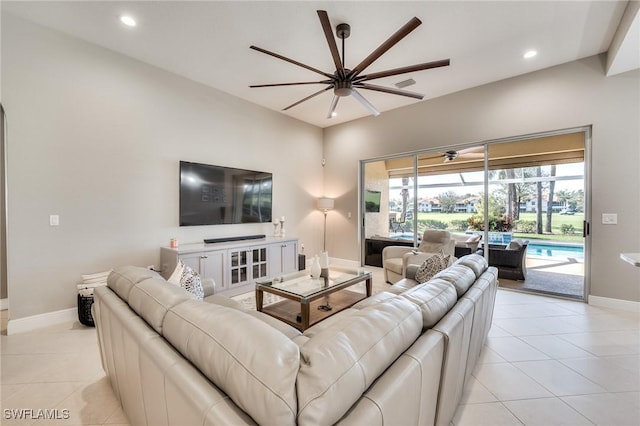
{"x": 606, "y": 302}
{"x": 345, "y": 263}
{"x": 22, "y": 325}
{"x": 4, "y": 304}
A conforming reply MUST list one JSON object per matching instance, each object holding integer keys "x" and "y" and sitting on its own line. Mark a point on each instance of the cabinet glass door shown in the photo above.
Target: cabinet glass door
{"x": 259, "y": 262}
{"x": 239, "y": 266}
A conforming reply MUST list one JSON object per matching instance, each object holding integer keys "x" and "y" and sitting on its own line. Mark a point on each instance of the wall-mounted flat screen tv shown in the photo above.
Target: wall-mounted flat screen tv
{"x": 215, "y": 195}
{"x": 372, "y": 201}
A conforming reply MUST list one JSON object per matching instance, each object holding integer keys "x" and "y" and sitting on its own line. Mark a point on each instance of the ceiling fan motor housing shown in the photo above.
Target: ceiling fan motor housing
{"x": 342, "y": 88}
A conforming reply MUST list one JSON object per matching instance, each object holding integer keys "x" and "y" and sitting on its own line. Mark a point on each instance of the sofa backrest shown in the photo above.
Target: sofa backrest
{"x": 460, "y": 276}
{"x": 341, "y": 361}
{"x": 122, "y": 279}
{"x": 249, "y": 360}
{"x": 152, "y": 299}
{"x": 477, "y": 263}
{"x": 434, "y": 298}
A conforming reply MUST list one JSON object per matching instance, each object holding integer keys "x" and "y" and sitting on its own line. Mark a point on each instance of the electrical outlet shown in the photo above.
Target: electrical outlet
{"x": 54, "y": 220}
{"x": 609, "y": 218}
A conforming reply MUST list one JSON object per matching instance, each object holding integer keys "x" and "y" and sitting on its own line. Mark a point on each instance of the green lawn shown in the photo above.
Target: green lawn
{"x": 557, "y": 221}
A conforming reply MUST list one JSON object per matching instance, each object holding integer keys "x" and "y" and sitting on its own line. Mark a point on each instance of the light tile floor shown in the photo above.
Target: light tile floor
{"x": 547, "y": 362}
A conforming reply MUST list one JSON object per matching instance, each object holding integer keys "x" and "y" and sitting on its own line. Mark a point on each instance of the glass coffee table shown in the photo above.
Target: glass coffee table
{"x": 307, "y": 301}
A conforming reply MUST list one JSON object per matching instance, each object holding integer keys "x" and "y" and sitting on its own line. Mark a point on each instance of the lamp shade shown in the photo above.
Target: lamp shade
{"x": 325, "y": 203}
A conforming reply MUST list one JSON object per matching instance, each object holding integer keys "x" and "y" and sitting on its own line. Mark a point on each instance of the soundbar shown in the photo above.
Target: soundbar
{"x": 228, "y": 239}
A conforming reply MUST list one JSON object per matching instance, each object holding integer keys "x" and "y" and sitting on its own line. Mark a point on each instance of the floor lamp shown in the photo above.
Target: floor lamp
{"x": 325, "y": 204}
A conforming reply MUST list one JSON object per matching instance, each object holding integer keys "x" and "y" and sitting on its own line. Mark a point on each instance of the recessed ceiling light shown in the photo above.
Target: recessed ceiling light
{"x": 333, "y": 114}
{"x": 529, "y": 54}
{"x": 128, "y": 20}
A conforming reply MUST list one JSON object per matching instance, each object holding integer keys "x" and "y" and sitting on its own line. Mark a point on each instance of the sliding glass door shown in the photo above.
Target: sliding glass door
{"x": 529, "y": 189}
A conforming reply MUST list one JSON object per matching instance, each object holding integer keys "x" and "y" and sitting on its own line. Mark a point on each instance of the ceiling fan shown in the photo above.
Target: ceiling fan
{"x": 344, "y": 81}
{"x": 463, "y": 154}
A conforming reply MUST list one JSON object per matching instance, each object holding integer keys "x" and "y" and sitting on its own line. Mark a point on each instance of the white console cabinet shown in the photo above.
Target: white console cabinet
{"x": 234, "y": 266}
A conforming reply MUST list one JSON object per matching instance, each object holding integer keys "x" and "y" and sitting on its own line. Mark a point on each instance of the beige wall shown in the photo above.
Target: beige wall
{"x": 566, "y": 96}
{"x": 96, "y": 138}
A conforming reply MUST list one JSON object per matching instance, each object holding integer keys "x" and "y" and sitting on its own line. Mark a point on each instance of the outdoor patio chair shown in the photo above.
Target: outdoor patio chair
{"x": 511, "y": 260}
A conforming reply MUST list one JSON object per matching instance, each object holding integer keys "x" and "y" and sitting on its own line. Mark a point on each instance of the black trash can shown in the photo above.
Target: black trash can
{"x": 84, "y": 310}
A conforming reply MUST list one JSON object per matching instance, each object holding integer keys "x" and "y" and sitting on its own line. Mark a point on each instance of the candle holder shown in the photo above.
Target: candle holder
{"x": 281, "y": 228}
{"x": 275, "y": 228}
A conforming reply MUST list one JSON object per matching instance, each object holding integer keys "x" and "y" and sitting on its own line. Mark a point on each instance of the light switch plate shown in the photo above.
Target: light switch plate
{"x": 609, "y": 218}
{"x": 54, "y": 220}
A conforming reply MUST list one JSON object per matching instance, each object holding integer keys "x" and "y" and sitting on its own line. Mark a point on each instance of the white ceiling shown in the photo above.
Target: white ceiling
{"x": 208, "y": 42}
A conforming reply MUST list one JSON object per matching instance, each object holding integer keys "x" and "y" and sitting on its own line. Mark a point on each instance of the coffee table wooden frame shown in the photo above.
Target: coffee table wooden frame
{"x": 306, "y": 306}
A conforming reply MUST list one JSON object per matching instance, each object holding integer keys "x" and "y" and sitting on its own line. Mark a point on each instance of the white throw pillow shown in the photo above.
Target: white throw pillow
{"x": 431, "y": 266}
{"x": 176, "y": 274}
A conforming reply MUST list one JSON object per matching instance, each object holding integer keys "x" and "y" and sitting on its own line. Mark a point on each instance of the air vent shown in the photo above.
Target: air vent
{"x": 405, "y": 83}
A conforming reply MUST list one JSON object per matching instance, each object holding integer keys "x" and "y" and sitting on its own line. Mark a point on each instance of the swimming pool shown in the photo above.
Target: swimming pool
{"x": 555, "y": 250}
{"x": 534, "y": 248}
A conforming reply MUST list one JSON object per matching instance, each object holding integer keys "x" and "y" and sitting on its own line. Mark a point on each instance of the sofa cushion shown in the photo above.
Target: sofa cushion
{"x": 121, "y": 280}
{"x": 152, "y": 299}
{"x": 394, "y": 264}
{"x": 252, "y": 362}
{"x": 340, "y": 363}
{"x": 434, "y": 298}
{"x": 514, "y": 245}
{"x": 461, "y": 276}
{"x": 431, "y": 266}
{"x": 477, "y": 263}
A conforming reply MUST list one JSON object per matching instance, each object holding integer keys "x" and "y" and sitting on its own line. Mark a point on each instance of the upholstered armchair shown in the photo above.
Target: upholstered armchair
{"x": 395, "y": 259}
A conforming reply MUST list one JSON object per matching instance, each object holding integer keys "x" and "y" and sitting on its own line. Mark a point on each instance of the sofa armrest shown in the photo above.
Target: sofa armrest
{"x": 410, "y": 271}
{"x": 208, "y": 285}
{"x": 416, "y": 259}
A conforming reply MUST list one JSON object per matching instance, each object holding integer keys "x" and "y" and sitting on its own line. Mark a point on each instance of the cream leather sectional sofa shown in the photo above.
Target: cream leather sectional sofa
{"x": 400, "y": 357}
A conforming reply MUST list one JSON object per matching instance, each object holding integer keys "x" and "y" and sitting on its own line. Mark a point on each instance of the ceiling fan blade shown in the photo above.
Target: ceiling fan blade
{"x": 388, "y": 44}
{"x": 308, "y": 97}
{"x": 472, "y": 150}
{"x": 332, "y": 108}
{"x": 388, "y": 90}
{"x": 365, "y": 102}
{"x": 291, "y": 61}
{"x": 404, "y": 70}
{"x": 292, "y": 84}
{"x": 328, "y": 33}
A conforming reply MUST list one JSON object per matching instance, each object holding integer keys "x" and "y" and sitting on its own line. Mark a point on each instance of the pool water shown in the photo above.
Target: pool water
{"x": 555, "y": 250}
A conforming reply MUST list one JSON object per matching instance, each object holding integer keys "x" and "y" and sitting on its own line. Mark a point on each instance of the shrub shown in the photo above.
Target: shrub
{"x": 434, "y": 224}
{"x": 459, "y": 224}
{"x": 567, "y": 229}
{"x": 499, "y": 224}
{"x": 526, "y": 226}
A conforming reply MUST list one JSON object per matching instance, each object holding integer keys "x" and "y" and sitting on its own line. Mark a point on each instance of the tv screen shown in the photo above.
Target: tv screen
{"x": 215, "y": 195}
{"x": 372, "y": 201}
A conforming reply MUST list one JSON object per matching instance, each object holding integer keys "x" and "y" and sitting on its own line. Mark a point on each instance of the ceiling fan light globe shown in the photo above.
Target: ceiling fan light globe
{"x": 342, "y": 91}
